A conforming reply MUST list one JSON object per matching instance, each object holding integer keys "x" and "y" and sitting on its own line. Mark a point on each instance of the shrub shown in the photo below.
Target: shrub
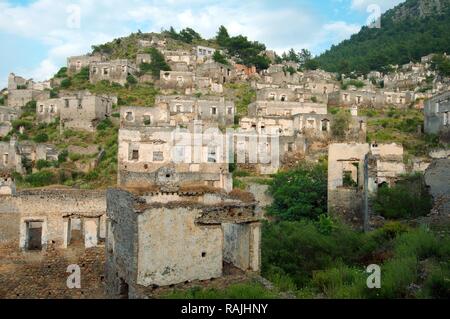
{"x": 40, "y": 164}
{"x": 158, "y": 63}
{"x": 41, "y": 138}
{"x": 131, "y": 80}
{"x": 340, "y": 124}
{"x": 300, "y": 193}
{"x": 105, "y": 124}
{"x": 66, "y": 83}
{"x": 40, "y": 179}
{"x": 2, "y": 100}
{"x": 62, "y": 157}
{"x": 62, "y": 73}
{"x": 219, "y": 57}
{"x": 409, "y": 198}
{"x": 16, "y": 124}
{"x": 29, "y": 108}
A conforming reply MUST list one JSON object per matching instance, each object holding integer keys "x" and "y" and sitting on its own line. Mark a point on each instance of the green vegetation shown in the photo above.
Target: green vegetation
{"x": 341, "y": 124}
{"x": 2, "y": 100}
{"x": 399, "y": 126}
{"x": 441, "y": 64}
{"x": 250, "y": 290}
{"x": 187, "y": 35}
{"x": 409, "y": 198}
{"x": 300, "y": 258}
{"x": 247, "y": 52}
{"x": 355, "y": 83}
{"x": 62, "y": 73}
{"x": 158, "y": 64}
{"x": 219, "y": 58}
{"x": 394, "y": 43}
{"x": 300, "y": 193}
{"x": 243, "y": 95}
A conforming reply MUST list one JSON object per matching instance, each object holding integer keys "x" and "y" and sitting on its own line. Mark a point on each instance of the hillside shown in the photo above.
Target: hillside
{"x": 411, "y": 30}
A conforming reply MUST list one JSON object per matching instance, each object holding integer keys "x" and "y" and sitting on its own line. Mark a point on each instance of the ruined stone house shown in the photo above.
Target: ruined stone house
{"x": 378, "y": 99}
{"x": 355, "y": 172}
{"x": 437, "y": 114}
{"x": 156, "y": 238}
{"x": 179, "y": 56}
{"x": 179, "y": 81}
{"x": 217, "y": 72}
{"x": 35, "y": 219}
{"x": 76, "y": 63}
{"x": 11, "y": 158}
{"x": 143, "y": 58}
{"x": 185, "y": 109}
{"x": 202, "y": 52}
{"x": 82, "y": 111}
{"x": 116, "y": 71}
{"x": 7, "y": 116}
{"x": 276, "y": 108}
{"x": 151, "y": 153}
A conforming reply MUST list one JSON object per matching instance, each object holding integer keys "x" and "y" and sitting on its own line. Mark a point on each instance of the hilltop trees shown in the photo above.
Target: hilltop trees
{"x": 247, "y": 52}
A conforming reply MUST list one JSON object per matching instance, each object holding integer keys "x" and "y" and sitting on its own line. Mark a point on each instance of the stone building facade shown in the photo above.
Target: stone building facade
{"x": 158, "y": 239}
{"x": 116, "y": 71}
{"x": 355, "y": 171}
{"x": 378, "y": 99}
{"x": 437, "y": 115}
{"x": 37, "y": 218}
{"x": 76, "y": 63}
{"x": 82, "y": 111}
{"x": 7, "y": 116}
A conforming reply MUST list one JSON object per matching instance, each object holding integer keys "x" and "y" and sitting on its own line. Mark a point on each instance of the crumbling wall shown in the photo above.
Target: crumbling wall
{"x": 9, "y": 219}
{"x": 437, "y": 177}
{"x": 121, "y": 241}
{"x": 173, "y": 248}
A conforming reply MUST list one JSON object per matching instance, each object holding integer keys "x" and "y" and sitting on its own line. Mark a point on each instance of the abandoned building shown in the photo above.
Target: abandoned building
{"x": 82, "y": 111}
{"x": 19, "y": 98}
{"x": 76, "y": 63}
{"x": 160, "y": 238}
{"x": 437, "y": 115}
{"x": 185, "y": 109}
{"x": 180, "y": 81}
{"x": 377, "y": 99}
{"x": 203, "y": 52}
{"x": 437, "y": 177}
{"x": 356, "y": 171}
{"x": 7, "y": 116}
{"x": 217, "y": 72}
{"x": 143, "y": 58}
{"x": 179, "y": 56}
{"x": 11, "y": 159}
{"x": 276, "y": 108}
{"x": 116, "y": 71}
{"x": 148, "y": 153}
{"x": 37, "y": 218}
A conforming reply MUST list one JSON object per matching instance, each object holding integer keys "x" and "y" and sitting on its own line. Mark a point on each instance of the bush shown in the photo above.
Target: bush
{"x": 40, "y": 179}
{"x": 131, "y": 80}
{"x": 158, "y": 63}
{"x": 105, "y": 124}
{"x": 41, "y": 138}
{"x": 62, "y": 157}
{"x": 300, "y": 193}
{"x": 29, "y": 108}
{"x": 236, "y": 291}
{"x": 409, "y": 198}
{"x": 62, "y": 73}
{"x": 2, "y": 100}
{"x": 66, "y": 83}
{"x": 16, "y": 124}
{"x": 219, "y": 57}
{"x": 340, "y": 124}
{"x": 40, "y": 164}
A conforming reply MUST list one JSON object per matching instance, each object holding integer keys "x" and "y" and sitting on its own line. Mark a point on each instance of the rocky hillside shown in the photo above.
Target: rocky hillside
{"x": 411, "y": 30}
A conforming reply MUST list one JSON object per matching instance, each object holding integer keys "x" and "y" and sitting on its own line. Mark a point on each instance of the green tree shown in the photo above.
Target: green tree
{"x": 158, "y": 63}
{"x": 300, "y": 193}
{"x": 340, "y": 124}
{"x": 222, "y": 37}
{"x": 219, "y": 57}
{"x": 62, "y": 73}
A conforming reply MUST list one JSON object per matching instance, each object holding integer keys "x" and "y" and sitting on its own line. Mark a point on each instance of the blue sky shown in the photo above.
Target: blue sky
{"x": 37, "y": 36}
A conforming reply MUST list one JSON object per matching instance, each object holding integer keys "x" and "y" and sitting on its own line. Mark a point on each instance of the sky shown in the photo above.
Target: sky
{"x": 37, "y": 36}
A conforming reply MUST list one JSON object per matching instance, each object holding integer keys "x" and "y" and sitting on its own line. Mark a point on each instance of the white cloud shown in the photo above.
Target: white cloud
{"x": 51, "y": 23}
{"x": 364, "y": 5}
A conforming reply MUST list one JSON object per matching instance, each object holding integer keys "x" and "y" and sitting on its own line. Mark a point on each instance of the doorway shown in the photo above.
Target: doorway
{"x": 34, "y": 235}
